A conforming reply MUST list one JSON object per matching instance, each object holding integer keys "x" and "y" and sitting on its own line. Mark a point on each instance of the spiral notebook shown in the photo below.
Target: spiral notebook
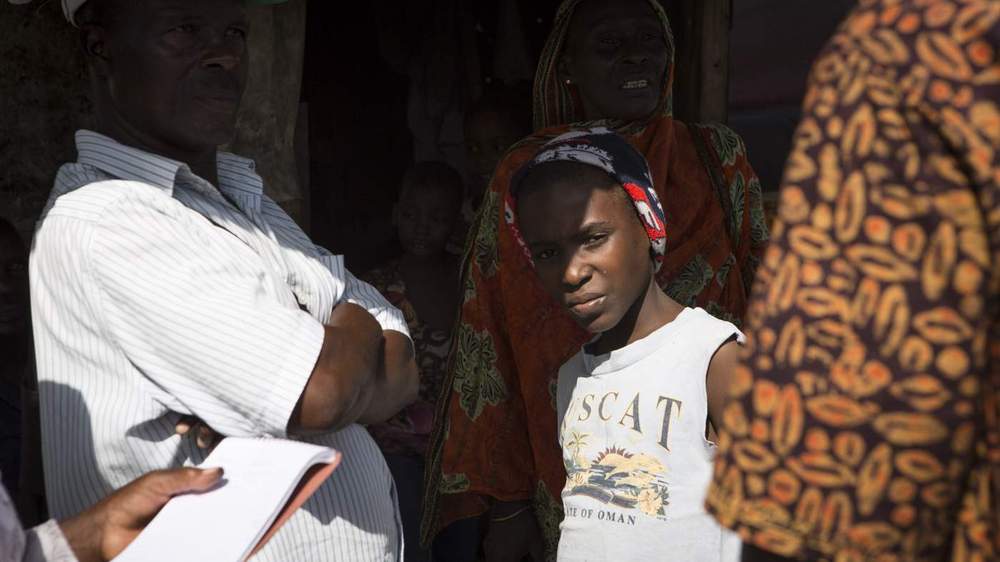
{"x": 264, "y": 482}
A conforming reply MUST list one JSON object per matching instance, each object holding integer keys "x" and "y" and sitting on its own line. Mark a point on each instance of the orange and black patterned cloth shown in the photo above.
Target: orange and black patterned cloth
{"x": 864, "y": 424}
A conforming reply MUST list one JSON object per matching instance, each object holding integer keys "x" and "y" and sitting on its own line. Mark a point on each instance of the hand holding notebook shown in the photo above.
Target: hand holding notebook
{"x": 265, "y": 481}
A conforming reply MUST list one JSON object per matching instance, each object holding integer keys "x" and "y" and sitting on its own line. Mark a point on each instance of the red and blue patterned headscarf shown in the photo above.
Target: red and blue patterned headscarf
{"x": 608, "y": 151}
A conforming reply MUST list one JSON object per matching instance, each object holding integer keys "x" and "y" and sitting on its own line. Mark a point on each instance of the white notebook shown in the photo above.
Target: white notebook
{"x": 264, "y": 482}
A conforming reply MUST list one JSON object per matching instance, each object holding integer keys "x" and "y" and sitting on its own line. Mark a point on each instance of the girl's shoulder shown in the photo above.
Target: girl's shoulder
{"x": 708, "y": 331}
{"x": 701, "y": 316}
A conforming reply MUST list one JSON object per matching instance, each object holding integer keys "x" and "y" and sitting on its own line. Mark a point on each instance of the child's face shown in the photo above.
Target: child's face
{"x": 589, "y": 249}
{"x": 425, "y": 218}
{"x": 487, "y": 138}
{"x": 13, "y": 285}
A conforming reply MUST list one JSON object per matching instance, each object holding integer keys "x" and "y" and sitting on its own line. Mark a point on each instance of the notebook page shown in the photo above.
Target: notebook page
{"x": 225, "y": 523}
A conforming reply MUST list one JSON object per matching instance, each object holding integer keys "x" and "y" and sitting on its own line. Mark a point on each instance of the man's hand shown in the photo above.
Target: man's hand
{"x": 513, "y": 534}
{"x": 103, "y": 531}
{"x": 205, "y": 437}
{"x": 344, "y": 378}
{"x": 398, "y": 382}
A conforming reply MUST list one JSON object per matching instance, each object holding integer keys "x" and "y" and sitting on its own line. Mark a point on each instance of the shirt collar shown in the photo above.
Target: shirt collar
{"x": 236, "y": 174}
{"x": 238, "y": 178}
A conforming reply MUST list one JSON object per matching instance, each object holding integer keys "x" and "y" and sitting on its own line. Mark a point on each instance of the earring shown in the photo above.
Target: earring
{"x": 568, "y": 81}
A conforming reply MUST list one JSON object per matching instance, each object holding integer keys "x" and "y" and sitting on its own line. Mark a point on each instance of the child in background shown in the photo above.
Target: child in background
{"x": 636, "y": 402}
{"x": 500, "y": 118}
{"x": 423, "y": 283}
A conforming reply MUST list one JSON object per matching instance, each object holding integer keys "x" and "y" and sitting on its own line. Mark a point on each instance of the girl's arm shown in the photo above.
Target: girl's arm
{"x": 721, "y": 371}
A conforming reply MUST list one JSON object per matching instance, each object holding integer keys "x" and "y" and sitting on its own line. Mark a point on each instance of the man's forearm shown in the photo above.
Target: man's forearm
{"x": 398, "y": 382}
{"x": 342, "y": 384}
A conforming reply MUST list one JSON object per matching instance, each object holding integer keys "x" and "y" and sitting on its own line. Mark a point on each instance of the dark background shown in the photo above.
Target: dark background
{"x": 356, "y": 120}
{"x": 357, "y": 100}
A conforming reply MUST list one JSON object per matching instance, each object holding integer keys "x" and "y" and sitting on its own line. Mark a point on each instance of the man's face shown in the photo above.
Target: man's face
{"x": 176, "y": 70}
{"x": 590, "y": 251}
{"x": 13, "y": 284}
{"x": 617, "y": 56}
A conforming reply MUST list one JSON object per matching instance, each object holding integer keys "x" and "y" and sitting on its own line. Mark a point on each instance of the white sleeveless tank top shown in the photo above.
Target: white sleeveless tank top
{"x": 632, "y": 432}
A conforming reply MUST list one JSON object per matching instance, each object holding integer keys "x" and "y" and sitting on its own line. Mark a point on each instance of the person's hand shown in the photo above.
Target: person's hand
{"x": 103, "y": 531}
{"x": 344, "y": 379}
{"x": 205, "y": 437}
{"x": 513, "y": 534}
{"x": 397, "y": 381}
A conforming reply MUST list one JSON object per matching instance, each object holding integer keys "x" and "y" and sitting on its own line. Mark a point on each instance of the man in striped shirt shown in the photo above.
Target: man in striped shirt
{"x": 165, "y": 284}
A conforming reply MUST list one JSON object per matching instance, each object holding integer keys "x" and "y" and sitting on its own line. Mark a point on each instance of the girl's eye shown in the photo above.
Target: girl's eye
{"x": 596, "y": 239}
{"x": 186, "y": 28}
{"x": 237, "y": 32}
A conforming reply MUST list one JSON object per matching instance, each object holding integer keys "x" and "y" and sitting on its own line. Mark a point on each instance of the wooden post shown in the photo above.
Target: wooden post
{"x": 701, "y": 84}
{"x": 716, "y": 21}
{"x": 43, "y": 101}
{"x": 266, "y": 125}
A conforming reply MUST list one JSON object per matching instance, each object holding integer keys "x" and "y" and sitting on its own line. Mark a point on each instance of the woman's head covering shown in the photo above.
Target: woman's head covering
{"x": 558, "y": 103}
{"x": 607, "y": 151}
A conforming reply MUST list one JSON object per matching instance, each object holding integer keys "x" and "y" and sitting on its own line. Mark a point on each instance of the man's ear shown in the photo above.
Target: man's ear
{"x": 94, "y": 40}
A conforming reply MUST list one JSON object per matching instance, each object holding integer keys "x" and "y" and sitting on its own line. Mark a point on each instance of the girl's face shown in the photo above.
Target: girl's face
{"x": 425, "y": 219}
{"x": 589, "y": 248}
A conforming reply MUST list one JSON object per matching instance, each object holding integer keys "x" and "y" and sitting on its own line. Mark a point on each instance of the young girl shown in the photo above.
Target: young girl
{"x": 635, "y": 405}
{"x": 423, "y": 284}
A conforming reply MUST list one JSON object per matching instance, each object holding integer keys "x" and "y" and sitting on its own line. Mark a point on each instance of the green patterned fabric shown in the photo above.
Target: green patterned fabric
{"x": 478, "y": 382}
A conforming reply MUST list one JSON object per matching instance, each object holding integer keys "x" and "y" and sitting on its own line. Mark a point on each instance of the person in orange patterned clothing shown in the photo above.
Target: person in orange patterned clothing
{"x": 864, "y": 425}
{"x": 494, "y": 449}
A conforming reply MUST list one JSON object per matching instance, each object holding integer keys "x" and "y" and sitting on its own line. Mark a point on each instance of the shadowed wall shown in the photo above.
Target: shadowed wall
{"x": 44, "y": 100}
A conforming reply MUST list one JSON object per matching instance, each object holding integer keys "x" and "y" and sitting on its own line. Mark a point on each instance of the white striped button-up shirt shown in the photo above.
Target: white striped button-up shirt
{"x": 154, "y": 294}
